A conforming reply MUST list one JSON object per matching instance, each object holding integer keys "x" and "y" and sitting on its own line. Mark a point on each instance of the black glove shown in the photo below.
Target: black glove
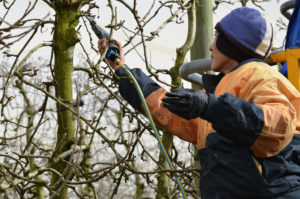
{"x": 187, "y": 103}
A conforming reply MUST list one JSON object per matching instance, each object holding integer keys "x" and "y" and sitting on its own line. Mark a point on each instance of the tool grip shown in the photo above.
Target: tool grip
{"x": 113, "y": 52}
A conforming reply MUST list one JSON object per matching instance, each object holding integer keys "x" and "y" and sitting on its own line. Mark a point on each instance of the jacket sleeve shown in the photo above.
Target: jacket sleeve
{"x": 184, "y": 129}
{"x": 129, "y": 92}
{"x": 265, "y": 121}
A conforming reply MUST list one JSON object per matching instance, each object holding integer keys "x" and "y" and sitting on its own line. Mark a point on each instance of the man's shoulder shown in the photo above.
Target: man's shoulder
{"x": 259, "y": 69}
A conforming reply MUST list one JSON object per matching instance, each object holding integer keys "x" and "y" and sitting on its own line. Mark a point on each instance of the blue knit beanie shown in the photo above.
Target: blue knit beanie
{"x": 245, "y": 33}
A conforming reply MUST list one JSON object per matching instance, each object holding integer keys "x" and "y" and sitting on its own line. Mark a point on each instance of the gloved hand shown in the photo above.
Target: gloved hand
{"x": 187, "y": 103}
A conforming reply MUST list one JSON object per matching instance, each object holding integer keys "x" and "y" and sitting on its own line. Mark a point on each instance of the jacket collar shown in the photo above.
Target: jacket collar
{"x": 245, "y": 62}
{"x": 210, "y": 81}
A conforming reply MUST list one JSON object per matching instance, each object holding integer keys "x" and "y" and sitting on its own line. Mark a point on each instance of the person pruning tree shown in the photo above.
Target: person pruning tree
{"x": 247, "y": 123}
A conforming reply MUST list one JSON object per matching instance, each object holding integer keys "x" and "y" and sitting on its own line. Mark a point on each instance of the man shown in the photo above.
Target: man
{"x": 246, "y": 125}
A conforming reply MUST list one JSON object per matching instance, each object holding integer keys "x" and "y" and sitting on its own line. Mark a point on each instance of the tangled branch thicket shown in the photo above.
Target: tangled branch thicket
{"x": 65, "y": 130}
{"x": 114, "y": 153}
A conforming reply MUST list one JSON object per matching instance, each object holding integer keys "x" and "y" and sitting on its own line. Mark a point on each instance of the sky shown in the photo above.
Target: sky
{"x": 161, "y": 50}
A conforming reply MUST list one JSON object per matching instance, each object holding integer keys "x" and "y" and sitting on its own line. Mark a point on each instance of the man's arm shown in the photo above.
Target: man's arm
{"x": 153, "y": 93}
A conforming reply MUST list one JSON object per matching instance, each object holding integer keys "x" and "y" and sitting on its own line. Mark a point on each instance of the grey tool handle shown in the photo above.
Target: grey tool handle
{"x": 189, "y": 71}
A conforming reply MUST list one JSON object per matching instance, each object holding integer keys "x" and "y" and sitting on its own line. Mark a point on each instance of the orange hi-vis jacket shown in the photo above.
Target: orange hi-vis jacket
{"x": 249, "y": 142}
{"x": 257, "y": 82}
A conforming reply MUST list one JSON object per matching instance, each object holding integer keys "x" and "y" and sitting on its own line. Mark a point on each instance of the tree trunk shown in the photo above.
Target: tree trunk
{"x": 65, "y": 38}
{"x": 204, "y": 30}
{"x": 30, "y": 112}
{"x": 200, "y": 49}
{"x": 162, "y": 178}
{"x": 163, "y": 182}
